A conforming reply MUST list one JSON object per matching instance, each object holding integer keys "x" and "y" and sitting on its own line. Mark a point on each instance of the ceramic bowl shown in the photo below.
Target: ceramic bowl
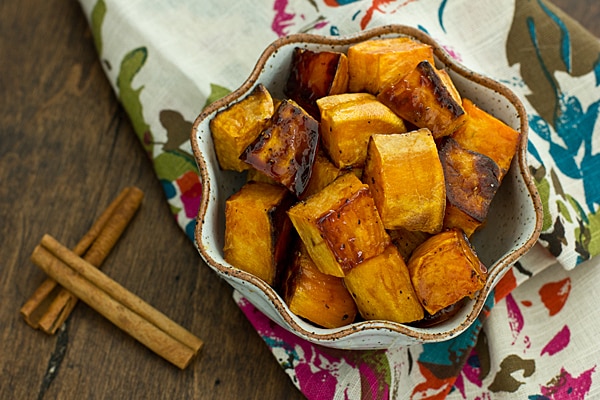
{"x": 513, "y": 225}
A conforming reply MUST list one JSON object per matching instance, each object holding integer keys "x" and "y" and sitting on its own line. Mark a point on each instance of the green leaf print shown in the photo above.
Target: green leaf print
{"x": 96, "y": 20}
{"x": 216, "y": 92}
{"x": 130, "y": 97}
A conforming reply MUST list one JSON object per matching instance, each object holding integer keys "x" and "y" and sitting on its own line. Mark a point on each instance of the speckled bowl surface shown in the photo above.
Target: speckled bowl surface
{"x": 514, "y": 220}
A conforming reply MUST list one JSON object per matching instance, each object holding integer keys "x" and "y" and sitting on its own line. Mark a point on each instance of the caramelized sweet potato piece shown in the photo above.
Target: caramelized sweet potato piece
{"x": 340, "y": 225}
{"x": 234, "y": 128}
{"x": 347, "y": 122}
{"x": 445, "y": 269}
{"x": 422, "y": 98}
{"x": 487, "y": 135}
{"x": 314, "y": 75}
{"x": 373, "y": 64}
{"x": 257, "y": 229}
{"x": 320, "y": 298}
{"x": 449, "y": 84}
{"x": 382, "y": 289}
{"x": 286, "y": 149}
{"x": 406, "y": 180}
{"x": 471, "y": 179}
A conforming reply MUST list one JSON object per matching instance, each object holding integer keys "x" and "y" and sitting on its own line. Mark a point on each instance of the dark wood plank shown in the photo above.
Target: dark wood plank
{"x": 66, "y": 150}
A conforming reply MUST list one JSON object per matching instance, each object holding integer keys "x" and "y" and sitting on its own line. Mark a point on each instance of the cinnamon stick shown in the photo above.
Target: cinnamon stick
{"x": 126, "y": 310}
{"x": 50, "y": 306}
{"x": 35, "y": 307}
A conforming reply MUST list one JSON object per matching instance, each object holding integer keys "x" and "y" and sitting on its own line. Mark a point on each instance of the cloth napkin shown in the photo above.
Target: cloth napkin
{"x": 536, "y": 336}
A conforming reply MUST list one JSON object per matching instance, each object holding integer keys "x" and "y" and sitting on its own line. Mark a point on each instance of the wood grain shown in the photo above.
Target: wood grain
{"x": 66, "y": 150}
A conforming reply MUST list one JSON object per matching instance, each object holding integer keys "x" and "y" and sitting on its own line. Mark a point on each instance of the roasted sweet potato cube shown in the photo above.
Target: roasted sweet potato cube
{"x": 445, "y": 269}
{"x": 340, "y": 225}
{"x": 373, "y": 64}
{"x": 323, "y": 173}
{"x": 457, "y": 218}
{"x": 286, "y": 149}
{"x": 422, "y": 98}
{"x": 234, "y": 128}
{"x": 471, "y": 179}
{"x": 316, "y": 74}
{"x": 347, "y": 122}
{"x": 320, "y": 298}
{"x": 382, "y": 289}
{"x": 485, "y": 134}
{"x": 449, "y": 84}
{"x": 407, "y": 241}
{"x": 257, "y": 229}
{"x": 406, "y": 180}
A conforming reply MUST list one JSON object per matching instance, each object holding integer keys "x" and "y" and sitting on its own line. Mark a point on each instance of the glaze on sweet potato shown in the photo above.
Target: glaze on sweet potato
{"x": 424, "y": 99}
{"x": 471, "y": 179}
{"x": 316, "y": 74}
{"x": 286, "y": 149}
{"x": 487, "y": 135}
{"x": 340, "y": 225}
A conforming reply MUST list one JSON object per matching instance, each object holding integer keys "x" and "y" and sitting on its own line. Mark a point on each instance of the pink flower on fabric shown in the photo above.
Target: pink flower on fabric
{"x": 283, "y": 19}
{"x": 515, "y": 317}
{"x": 566, "y": 386}
{"x": 558, "y": 342}
{"x": 320, "y": 372}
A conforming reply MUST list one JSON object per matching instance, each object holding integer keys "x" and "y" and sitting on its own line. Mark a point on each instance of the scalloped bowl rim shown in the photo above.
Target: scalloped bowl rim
{"x": 329, "y": 337}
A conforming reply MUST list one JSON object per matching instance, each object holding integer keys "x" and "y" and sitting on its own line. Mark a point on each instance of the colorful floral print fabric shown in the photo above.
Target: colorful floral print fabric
{"x": 535, "y": 337}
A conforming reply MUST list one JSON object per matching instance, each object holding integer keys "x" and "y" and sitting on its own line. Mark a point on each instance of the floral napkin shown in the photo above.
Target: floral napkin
{"x": 535, "y": 338}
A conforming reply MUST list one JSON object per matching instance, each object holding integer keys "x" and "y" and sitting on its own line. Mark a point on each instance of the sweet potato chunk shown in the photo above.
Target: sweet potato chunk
{"x": 423, "y": 98}
{"x": 406, "y": 180}
{"x": 457, "y": 218}
{"x": 445, "y": 269}
{"x": 257, "y": 229}
{"x": 449, "y": 84}
{"x": 340, "y": 225}
{"x": 323, "y": 173}
{"x": 487, "y": 135}
{"x": 286, "y": 149}
{"x": 320, "y": 298}
{"x": 234, "y": 128}
{"x": 471, "y": 179}
{"x": 314, "y": 75}
{"x": 373, "y": 64}
{"x": 347, "y": 122}
{"x": 382, "y": 288}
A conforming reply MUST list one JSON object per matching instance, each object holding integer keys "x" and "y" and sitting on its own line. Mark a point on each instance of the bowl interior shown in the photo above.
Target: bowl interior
{"x": 512, "y": 228}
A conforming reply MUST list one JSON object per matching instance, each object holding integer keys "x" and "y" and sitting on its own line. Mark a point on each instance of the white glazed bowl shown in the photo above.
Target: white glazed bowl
{"x": 513, "y": 225}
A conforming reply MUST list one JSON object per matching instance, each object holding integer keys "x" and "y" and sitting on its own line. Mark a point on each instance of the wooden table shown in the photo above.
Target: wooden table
{"x": 66, "y": 150}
